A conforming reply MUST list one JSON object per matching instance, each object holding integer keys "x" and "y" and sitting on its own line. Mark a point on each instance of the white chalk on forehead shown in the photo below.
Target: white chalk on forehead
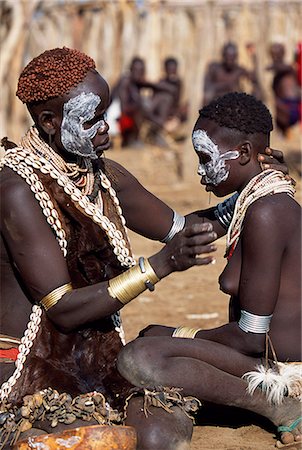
{"x": 202, "y": 142}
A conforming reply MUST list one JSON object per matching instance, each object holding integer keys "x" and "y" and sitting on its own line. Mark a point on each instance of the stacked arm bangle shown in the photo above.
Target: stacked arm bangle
{"x": 224, "y": 211}
{"x": 252, "y": 323}
{"x": 177, "y": 225}
{"x": 185, "y": 332}
{"x": 54, "y": 296}
{"x": 128, "y": 285}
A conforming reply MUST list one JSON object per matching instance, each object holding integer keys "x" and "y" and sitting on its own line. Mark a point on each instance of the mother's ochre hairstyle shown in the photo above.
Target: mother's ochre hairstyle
{"x": 53, "y": 74}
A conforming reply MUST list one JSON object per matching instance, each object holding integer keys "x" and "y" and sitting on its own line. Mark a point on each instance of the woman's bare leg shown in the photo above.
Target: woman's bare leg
{"x": 206, "y": 370}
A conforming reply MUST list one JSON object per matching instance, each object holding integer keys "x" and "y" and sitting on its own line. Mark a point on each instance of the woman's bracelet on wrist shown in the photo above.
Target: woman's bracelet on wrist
{"x": 178, "y": 224}
{"x": 129, "y": 284}
{"x": 185, "y": 332}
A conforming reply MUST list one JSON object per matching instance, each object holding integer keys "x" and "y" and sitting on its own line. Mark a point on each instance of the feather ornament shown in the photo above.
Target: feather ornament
{"x": 283, "y": 380}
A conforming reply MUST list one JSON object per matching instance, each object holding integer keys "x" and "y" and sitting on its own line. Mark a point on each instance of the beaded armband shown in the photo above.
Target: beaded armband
{"x": 177, "y": 225}
{"x": 224, "y": 211}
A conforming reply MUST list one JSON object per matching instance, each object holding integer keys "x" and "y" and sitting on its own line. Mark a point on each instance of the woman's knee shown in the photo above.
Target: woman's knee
{"x": 136, "y": 362}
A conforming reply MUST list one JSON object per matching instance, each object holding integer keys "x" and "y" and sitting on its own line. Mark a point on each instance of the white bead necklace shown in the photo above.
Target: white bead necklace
{"x": 265, "y": 183}
{"x": 38, "y": 155}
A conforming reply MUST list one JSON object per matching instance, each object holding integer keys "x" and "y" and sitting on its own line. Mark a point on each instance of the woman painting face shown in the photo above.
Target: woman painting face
{"x": 212, "y": 166}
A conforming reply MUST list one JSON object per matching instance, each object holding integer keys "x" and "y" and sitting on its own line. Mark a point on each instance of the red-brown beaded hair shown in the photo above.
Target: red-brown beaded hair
{"x": 53, "y": 74}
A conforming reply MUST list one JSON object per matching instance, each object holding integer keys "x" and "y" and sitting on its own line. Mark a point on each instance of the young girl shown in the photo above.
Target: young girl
{"x": 262, "y": 276}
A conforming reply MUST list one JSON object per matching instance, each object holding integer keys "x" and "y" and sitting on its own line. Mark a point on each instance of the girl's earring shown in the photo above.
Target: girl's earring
{"x": 49, "y": 140}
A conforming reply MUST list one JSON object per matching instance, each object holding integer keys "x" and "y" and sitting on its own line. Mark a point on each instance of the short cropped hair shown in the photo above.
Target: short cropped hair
{"x": 170, "y": 60}
{"x": 239, "y": 111}
{"x": 53, "y": 74}
{"x": 135, "y": 60}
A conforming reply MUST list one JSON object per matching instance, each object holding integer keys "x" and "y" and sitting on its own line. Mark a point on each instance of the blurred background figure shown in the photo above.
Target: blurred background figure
{"x": 287, "y": 97}
{"x": 227, "y": 75}
{"x": 166, "y": 105}
{"x": 132, "y": 109}
{"x": 277, "y": 55}
{"x": 285, "y": 87}
{"x": 143, "y": 103}
{"x": 298, "y": 63}
{"x": 144, "y": 109}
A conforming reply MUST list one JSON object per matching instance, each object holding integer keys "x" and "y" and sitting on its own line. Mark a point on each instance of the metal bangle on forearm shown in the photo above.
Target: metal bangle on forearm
{"x": 54, "y": 296}
{"x": 252, "y": 323}
{"x": 128, "y": 285}
{"x": 185, "y": 332}
{"x": 224, "y": 211}
{"x": 177, "y": 225}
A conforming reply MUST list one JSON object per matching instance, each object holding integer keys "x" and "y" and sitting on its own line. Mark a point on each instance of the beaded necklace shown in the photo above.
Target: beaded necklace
{"x": 268, "y": 182}
{"x": 35, "y": 155}
{"x": 41, "y": 157}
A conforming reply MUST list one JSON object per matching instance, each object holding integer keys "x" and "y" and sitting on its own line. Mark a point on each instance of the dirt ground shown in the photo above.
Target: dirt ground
{"x": 190, "y": 298}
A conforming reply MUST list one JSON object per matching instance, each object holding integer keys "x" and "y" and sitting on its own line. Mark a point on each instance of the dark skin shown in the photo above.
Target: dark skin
{"x": 226, "y": 76}
{"x": 220, "y": 356}
{"x": 33, "y": 264}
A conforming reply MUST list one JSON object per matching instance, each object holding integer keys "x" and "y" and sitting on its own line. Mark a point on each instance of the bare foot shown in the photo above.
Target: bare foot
{"x": 289, "y": 424}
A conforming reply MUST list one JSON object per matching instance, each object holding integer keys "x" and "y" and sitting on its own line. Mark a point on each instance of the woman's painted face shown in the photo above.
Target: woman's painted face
{"x": 84, "y": 131}
{"x": 212, "y": 166}
{"x": 76, "y": 112}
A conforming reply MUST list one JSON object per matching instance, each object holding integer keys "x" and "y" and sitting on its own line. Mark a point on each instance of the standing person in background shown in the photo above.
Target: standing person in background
{"x": 285, "y": 88}
{"x": 227, "y": 76}
{"x": 277, "y": 55}
{"x": 234, "y": 364}
{"x": 287, "y": 98}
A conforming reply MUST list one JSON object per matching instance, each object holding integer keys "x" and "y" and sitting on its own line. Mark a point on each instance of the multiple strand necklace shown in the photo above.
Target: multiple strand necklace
{"x": 265, "y": 183}
{"x": 77, "y": 182}
{"x": 36, "y": 154}
{"x": 80, "y": 173}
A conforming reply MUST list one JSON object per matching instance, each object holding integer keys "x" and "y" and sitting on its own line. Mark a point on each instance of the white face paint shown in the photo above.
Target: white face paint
{"x": 215, "y": 170}
{"x": 76, "y": 112}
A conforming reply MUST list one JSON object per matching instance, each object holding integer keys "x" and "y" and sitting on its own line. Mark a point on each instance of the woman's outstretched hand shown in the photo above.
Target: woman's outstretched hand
{"x": 190, "y": 247}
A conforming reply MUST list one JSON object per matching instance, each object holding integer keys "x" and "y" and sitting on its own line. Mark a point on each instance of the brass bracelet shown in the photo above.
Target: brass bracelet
{"x": 54, "y": 296}
{"x": 128, "y": 285}
{"x": 185, "y": 332}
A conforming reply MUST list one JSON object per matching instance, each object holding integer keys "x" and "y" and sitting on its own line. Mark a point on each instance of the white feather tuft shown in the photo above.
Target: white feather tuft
{"x": 276, "y": 384}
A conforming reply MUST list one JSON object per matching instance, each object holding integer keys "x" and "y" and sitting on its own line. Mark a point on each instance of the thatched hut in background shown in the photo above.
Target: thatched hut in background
{"x": 113, "y": 31}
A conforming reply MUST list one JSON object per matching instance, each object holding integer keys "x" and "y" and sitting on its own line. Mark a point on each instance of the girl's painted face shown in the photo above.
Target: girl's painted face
{"x": 75, "y": 138}
{"x": 214, "y": 169}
